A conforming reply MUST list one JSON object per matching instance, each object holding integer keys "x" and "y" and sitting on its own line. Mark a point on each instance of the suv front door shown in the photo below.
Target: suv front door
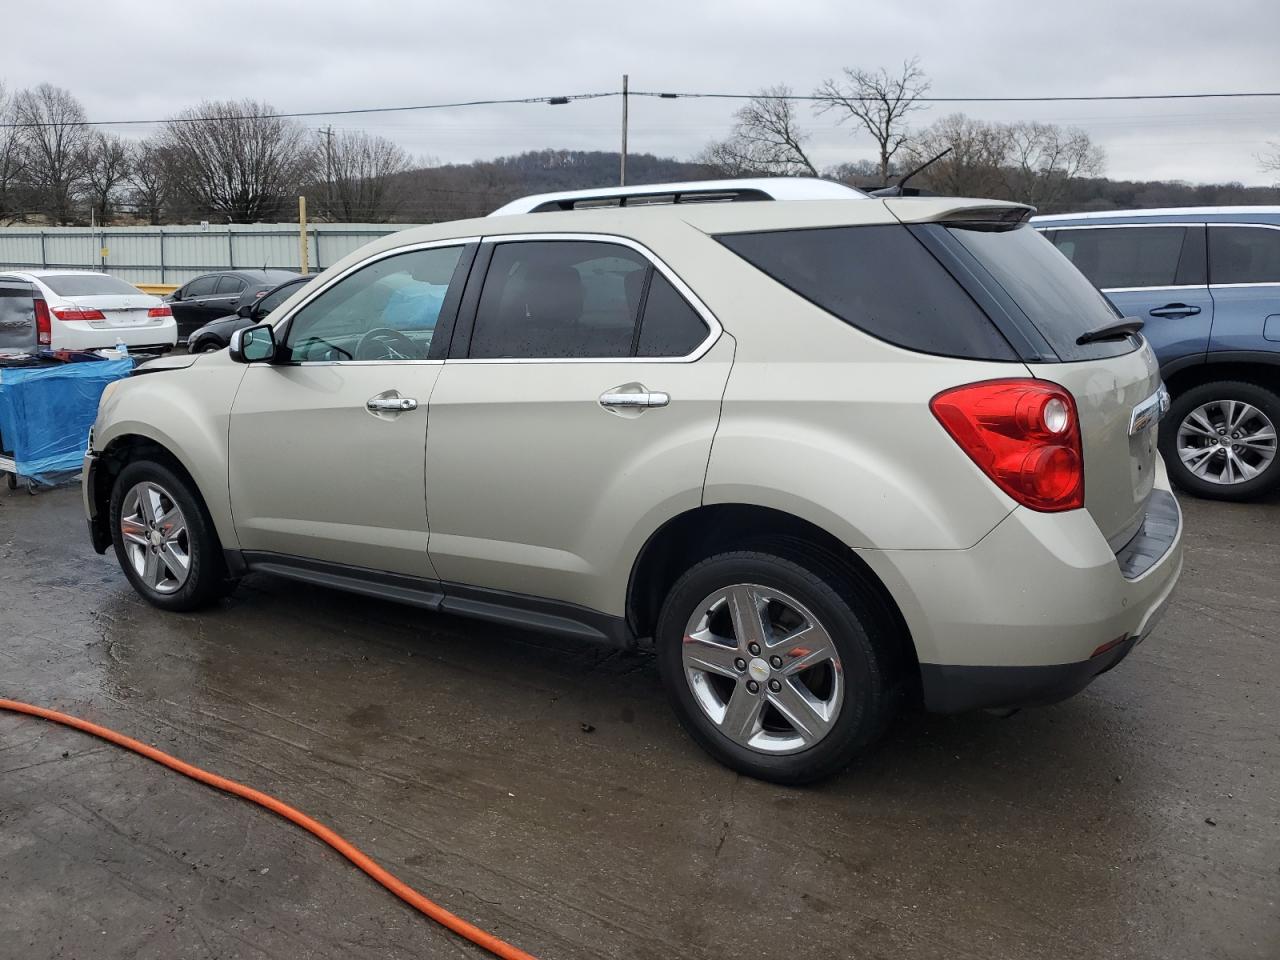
{"x": 577, "y": 406}
{"x": 1244, "y": 278}
{"x": 1155, "y": 272}
{"x": 327, "y": 443}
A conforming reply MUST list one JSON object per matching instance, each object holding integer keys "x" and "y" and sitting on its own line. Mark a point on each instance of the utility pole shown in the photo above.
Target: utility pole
{"x": 328, "y": 169}
{"x": 302, "y": 236}
{"x": 622, "y": 169}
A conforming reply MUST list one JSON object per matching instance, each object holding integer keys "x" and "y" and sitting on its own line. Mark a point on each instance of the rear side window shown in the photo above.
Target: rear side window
{"x": 89, "y": 285}
{"x": 1055, "y": 297}
{"x": 879, "y": 279}
{"x": 671, "y": 327}
{"x": 1244, "y": 255}
{"x": 229, "y": 285}
{"x": 1138, "y": 256}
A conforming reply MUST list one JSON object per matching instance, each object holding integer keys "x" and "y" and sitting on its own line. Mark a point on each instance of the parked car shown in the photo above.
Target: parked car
{"x": 17, "y": 317}
{"x": 211, "y": 296}
{"x": 84, "y": 310}
{"x": 253, "y": 308}
{"x": 1206, "y": 283}
{"x": 825, "y": 454}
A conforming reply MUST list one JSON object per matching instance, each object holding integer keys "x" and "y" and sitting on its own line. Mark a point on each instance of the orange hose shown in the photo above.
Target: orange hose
{"x": 499, "y": 948}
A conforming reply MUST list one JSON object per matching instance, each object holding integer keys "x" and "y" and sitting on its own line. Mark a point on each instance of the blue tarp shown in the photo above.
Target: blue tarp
{"x": 46, "y": 413}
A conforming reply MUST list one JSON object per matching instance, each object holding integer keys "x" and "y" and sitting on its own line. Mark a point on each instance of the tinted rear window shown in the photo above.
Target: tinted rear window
{"x": 1056, "y": 297}
{"x": 881, "y": 280}
{"x": 1134, "y": 256}
{"x": 89, "y": 285}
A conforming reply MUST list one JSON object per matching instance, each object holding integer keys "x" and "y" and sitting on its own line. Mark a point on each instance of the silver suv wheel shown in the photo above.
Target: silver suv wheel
{"x": 156, "y": 542}
{"x": 763, "y": 669}
{"x": 1226, "y": 441}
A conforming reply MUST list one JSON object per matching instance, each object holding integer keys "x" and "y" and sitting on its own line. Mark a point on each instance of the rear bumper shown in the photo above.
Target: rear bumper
{"x": 81, "y": 335}
{"x": 1037, "y": 609}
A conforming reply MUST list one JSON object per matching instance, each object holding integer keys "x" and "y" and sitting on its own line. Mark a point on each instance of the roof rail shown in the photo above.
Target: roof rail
{"x": 697, "y": 191}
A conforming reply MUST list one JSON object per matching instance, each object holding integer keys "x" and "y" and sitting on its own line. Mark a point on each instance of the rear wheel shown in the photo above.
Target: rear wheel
{"x": 1219, "y": 440}
{"x": 164, "y": 539}
{"x": 780, "y": 667}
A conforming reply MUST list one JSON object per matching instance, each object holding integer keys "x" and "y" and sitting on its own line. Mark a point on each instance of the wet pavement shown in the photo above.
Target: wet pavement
{"x": 541, "y": 788}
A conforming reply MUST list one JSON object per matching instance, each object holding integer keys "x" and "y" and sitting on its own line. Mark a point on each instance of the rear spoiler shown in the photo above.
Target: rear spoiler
{"x": 969, "y": 214}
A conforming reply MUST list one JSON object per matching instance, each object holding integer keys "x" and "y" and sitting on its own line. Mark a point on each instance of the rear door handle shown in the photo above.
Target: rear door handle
{"x": 645, "y": 399}
{"x": 1175, "y": 310}
{"x": 391, "y": 404}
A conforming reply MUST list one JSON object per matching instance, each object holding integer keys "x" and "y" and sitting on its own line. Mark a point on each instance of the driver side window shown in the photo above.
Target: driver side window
{"x": 384, "y": 311}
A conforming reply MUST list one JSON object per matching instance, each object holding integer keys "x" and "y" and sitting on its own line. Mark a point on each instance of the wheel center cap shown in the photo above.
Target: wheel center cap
{"x": 758, "y": 669}
{"x": 157, "y": 538}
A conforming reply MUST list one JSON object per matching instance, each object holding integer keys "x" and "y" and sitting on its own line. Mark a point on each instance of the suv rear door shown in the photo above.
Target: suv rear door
{"x": 1152, "y": 271}
{"x": 577, "y": 406}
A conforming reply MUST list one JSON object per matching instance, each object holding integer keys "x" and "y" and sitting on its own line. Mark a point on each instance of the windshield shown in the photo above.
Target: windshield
{"x": 1056, "y": 297}
{"x": 89, "y": 285}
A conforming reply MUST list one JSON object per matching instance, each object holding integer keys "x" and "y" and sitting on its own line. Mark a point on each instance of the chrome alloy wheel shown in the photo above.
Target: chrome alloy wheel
{"x": 1226, "y": 441}
{"x": 155, "y": 537}
{"x": 763, "y": 669}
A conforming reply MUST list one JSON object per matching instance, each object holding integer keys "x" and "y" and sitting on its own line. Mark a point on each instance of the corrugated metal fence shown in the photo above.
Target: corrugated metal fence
{"x": 176, "y": 254}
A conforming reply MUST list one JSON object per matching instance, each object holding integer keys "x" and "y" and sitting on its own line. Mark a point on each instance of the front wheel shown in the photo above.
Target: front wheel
{"x": 1219, "y": 440}
{"x": 782, "y": 669}
{"x": 164, "y": 539}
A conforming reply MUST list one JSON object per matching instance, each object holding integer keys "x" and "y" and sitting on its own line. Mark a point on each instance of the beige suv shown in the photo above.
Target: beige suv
{"x": 828, "y": 454}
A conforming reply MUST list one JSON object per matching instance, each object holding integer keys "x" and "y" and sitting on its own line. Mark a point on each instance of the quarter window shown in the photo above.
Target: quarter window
{"x": 1244, "y": 255}
{"x": 1136, "y": 256}
{"x": 384, "y": 311}
{"x": 671, "y": 327}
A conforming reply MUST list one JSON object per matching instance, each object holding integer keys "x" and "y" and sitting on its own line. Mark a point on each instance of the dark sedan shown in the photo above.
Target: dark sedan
{"x": 251, "y": 309}
{"x": 214, "y": 295}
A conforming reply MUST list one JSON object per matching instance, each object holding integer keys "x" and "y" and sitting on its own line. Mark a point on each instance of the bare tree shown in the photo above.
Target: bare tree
{"x": 1271, "y": 161}
{"x": 879, "y": 102}
{"x": 237, "y": 159}
{"x": 361, "y": 174}
{"x": 1044, "y": 158}
{"x": 12, "y": 161}
{"x": 56, "y": 137}
{"x": 106, "y": 172}
{"x": 150, "y": 179}
{"x": 766, "y": 139}
{"x": 973, "y": 168}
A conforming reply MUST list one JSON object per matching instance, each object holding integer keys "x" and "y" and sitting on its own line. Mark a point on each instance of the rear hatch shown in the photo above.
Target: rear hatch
{"x": 121, "y": 304}
{"x": 1115, "y": 381}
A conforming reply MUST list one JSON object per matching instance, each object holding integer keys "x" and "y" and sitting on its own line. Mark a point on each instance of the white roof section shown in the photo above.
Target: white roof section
{"x": 772, "y": 188}
{"x": 1160, "y": 212}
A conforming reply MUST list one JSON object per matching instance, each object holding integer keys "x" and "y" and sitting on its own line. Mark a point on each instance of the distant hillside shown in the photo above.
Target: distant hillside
{"x": 459, "y": 190}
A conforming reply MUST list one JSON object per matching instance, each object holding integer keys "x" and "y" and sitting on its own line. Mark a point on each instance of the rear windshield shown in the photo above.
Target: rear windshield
{"x": 1056, "y": 297}
{"x": 89, "y": 285}
{"x": 881, "y": 280}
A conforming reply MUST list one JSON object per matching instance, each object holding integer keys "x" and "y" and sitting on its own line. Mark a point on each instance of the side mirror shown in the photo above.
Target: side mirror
{"x": 245, "y": 310}
{"x": 254, "y": 344}
{"x": 175, "y": 296}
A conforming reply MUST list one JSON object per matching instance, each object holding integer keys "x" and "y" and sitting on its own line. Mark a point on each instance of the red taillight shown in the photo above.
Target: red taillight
{"x": 160, "y": 312}
{"x": 1024, "y": 434}
{"x": 44, "y": 329}
{"x": 77, "y": 313}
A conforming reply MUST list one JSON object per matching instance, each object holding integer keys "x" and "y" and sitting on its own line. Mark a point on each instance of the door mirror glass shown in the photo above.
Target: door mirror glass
{"x": 254, "y": 344}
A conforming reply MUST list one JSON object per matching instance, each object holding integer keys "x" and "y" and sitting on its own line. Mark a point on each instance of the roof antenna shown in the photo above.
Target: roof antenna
{"x": 897, "y": 190}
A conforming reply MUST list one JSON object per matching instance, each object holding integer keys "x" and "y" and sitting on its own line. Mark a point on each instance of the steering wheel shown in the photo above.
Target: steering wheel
{"x": 383, "y": 343}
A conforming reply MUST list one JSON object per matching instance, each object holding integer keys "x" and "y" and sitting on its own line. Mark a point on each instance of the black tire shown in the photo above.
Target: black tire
{"x": 851, "y": 614}
{"x": 1264, "y": 400}
{"x": 206, "y": 578}
{"x": 205, "y": 345}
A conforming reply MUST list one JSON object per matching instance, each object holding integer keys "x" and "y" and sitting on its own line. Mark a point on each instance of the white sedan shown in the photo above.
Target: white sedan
{"x": 85, "y": 310}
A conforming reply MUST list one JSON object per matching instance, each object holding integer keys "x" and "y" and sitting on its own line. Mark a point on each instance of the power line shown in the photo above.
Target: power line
{"x": 1057, "y": 99}
{"x": 658, "y": 94}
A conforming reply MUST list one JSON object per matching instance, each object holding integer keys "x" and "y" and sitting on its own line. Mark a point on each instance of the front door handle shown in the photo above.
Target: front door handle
{"x": 391, "y": 404}
{"x": 644, "y": 399}
{"x": 1175, "y": 310}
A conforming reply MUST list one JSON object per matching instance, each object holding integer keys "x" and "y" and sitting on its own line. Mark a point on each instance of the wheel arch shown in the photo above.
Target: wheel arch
{"x": 1252, "y": 367}
{"x": 715, "y": 528}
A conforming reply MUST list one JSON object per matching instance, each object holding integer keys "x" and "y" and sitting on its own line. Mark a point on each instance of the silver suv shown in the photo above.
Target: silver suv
{"x": 829, "y": 454}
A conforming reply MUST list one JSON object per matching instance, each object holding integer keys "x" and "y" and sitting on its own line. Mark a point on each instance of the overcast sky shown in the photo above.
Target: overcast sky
{"x": 140, "y": 59}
